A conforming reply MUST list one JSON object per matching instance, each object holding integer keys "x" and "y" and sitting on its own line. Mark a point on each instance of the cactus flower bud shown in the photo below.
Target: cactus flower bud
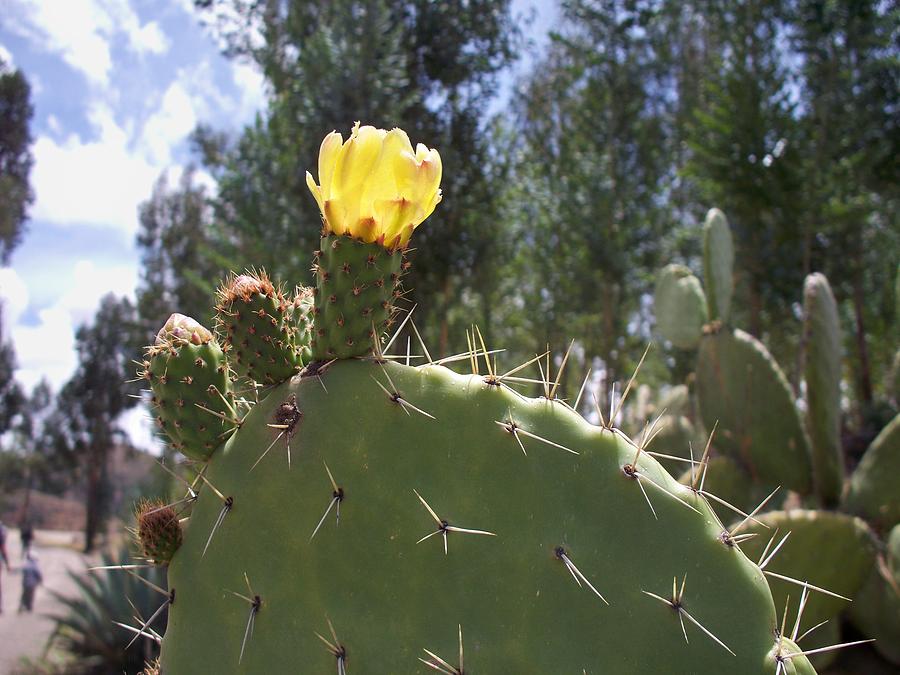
{"x": 374, "y": 186}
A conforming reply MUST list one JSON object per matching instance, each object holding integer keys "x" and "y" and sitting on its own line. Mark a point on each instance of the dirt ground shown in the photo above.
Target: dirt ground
{"x": 25, "y": 635}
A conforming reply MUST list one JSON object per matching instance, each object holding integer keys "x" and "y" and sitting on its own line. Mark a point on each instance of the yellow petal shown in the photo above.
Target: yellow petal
{"x": 335, "y": 216}
{"x": 358, "y": 156}
{"x": 328, "y": 154}
{"x": 381, "y": 183}
{"x": 393, "y": 215}
{"x": 315, "y": 189}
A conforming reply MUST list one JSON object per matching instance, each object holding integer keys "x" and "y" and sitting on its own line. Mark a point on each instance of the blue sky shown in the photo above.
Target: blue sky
{"x": 117, "y": 86}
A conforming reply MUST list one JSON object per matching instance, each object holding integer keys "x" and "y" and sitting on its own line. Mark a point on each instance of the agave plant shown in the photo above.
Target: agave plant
{"x": 94, "y": 630}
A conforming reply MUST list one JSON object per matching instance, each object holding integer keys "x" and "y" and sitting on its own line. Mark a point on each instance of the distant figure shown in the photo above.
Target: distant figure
{"x": 4, "y": 560}
{"x": 26, "y": 533}
{"x": 31, "y": 579}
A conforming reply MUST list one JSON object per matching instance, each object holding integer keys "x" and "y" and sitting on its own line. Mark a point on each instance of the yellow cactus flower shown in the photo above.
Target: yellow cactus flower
{"x": 374, "y": 186}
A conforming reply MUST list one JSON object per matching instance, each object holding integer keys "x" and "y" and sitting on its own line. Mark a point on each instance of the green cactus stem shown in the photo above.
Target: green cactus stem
{"x": 822, "y": 338}
{"x": 874, "y": 491}
{"x": 680, "y": 306}
{"x": 462, "y": 505}
{"x": 741, "y": 387}
{"x": 718, "y": 265}
{"x": 357, "y": 285}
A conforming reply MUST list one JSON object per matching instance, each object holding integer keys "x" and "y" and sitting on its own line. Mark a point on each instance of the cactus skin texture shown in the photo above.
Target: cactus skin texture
{"x": 356, "y": 284}
{"x": 680, "y": 306}
{"x": 390, "y": 598}
{"x": 254, "y": 319}
{"x": 186, "y": 369}
{"x": 876, "y": 608}
{"x": 741, "y": 387}
{"x": 718, "y": 265}
{"x": 822, "y": 336}
{"x": 874, "y": 491}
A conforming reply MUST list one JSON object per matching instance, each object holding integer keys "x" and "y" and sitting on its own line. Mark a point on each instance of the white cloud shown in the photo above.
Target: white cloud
{"x": 6, "y": 57}
{"x": 14, "y": 296}
{"x": 82, "y": 32}
{"x": 251, "y": 84}
{"x": 99, "y": 182}
{"x": 169, "y": 125}
{"x": 46, "y": 349}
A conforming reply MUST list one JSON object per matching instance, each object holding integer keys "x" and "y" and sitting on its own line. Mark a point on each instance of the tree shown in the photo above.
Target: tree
{"x": 178, "y": 272}
{"x": 428, "y": 67}
{"x": 15, "y": 158}
{"x": 746, "y": 157}
{"x": 90, "y": 403}
{"x": 851, "y": 83}
{"x": 594, "y": 170}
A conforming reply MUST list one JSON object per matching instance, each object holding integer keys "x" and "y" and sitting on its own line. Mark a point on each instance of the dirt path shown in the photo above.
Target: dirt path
{"x": 24, "y": 635}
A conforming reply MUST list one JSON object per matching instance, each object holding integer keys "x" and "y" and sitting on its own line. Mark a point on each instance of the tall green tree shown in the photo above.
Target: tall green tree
{"x": 15, "y": 158}
{"x": 178, "y": 268}
{"x": 851, "y": 86}
{"x": 594, "y": 172}
{"x": 747, "y": 155}
{"x": 90, "y": 403}
{"x": 430, "y": 68}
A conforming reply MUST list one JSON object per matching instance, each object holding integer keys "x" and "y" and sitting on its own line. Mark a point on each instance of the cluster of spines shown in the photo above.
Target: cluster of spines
{"x": 257, "y": 326}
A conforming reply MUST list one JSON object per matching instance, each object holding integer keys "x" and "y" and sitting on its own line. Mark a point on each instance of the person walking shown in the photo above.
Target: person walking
{"x": 4, "y": 560}
{"x": 26, "y": 534}
{"x": 31, "y": 579}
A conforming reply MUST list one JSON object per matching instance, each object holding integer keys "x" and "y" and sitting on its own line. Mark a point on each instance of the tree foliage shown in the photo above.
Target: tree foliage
{"x": 85, "y": 425}
{"x": 15, "y": 158}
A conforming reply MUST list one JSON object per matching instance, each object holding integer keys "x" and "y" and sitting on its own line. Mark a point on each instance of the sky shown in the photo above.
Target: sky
{"x": 117, "y": 86}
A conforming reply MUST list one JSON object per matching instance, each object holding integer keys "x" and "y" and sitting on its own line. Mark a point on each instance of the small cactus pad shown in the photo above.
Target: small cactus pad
{"x": 158, "y": 531}
{"x": 830, "y": 550}
{"x": 424, "y": 509}
{"x": 356, "y": 286}
{"x": 822, "y": 336}
{"x": 192, "y": 398}
{"x": 741, "y": 387}
{"x": 875, "y": 485}
{"x": 257, "y": 333}
{"x": 718, "y": 265}
{"x": 680, "y": 306}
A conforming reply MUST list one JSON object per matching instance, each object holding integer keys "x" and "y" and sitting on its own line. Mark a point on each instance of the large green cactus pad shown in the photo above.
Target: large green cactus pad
{"x": 822, "y": 336}
{"x": 521, "y": 607}
{"x": 875, "y": 485}
{"x": 830, "y": 550}
{"x": 876, "y": 608}
{"x": 740, "y": 386}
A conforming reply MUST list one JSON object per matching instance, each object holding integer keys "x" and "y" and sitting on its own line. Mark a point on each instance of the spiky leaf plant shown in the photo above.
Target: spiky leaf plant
{"x": 92, "y": 629}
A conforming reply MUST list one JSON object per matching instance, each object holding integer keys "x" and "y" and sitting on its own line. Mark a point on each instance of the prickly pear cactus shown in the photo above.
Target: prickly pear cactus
{"x": 369, "y": 516}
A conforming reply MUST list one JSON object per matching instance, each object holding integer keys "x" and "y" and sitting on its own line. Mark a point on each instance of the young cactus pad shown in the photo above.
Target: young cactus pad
{"x": 373, "y": 517}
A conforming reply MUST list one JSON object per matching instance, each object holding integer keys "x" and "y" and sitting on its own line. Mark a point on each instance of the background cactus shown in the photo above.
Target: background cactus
{"x": 761, "y": 440}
